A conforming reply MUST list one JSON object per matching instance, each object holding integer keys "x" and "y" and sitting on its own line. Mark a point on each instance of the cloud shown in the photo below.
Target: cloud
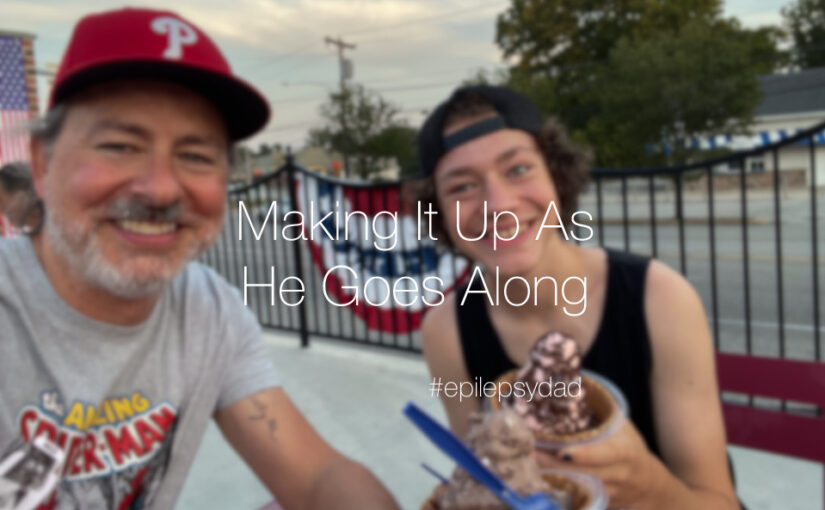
{"x": 758, "y": 19}
{"x": 412, "y": 51}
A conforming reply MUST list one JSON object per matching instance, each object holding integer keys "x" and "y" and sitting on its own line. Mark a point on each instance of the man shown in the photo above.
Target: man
{"x": 113, "y": 345}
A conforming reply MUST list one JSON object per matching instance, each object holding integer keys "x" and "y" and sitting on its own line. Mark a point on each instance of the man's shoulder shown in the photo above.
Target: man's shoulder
{"x": 15, "y": 252}
{"x": 199, "y": 281}
{"x": 210, "y": 305}
{"x": 202, "y": 290}
{"x": 12, "y": 246}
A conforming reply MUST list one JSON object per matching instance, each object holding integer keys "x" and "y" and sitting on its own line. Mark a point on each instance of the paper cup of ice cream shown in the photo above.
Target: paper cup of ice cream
{"x": 502, "y": 442}
{"x": 602, "y": 398}
{"x": 584, "y": 492}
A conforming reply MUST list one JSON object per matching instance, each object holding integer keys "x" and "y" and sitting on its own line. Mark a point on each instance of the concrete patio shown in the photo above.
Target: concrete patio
{"x": 353, "y": 395}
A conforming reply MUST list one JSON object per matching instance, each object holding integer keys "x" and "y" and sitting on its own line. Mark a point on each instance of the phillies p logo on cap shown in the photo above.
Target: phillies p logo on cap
{"x": 178, "y": 34}
{"x": 141, "y": 44}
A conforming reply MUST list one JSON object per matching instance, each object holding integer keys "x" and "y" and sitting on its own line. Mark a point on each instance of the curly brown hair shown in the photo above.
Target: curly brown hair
{"x": 568, "y": 163}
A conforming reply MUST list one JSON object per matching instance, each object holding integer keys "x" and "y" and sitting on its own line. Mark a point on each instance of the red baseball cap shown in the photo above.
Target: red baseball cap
{"x": 145, "y": 43}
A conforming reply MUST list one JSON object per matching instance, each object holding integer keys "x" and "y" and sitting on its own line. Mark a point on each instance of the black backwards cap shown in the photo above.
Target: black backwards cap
{"x": 515, "y": 111}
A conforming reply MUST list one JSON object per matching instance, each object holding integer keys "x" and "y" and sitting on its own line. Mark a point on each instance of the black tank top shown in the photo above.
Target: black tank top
{"x": 620, "y": 352}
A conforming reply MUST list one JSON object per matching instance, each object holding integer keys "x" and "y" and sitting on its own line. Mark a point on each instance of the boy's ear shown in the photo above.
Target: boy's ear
{"x": 38, "y": 164}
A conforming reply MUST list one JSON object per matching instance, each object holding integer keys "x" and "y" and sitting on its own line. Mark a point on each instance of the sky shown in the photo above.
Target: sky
{"x": 413, "y": 52}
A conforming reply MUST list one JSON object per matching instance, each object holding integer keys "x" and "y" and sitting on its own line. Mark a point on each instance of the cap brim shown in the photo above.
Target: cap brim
{"x": 244, "y": 110}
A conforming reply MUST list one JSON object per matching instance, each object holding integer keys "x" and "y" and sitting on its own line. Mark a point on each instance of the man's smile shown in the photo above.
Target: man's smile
{"x": 149, "y": 234}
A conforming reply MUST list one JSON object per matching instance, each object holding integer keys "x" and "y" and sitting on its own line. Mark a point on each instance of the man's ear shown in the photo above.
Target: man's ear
{"x": 38, "y": 164}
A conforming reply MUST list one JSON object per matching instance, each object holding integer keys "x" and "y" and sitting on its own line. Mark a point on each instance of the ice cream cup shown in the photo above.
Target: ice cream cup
{"x": 587, "y": 491}
{"x": 602, "y": 396}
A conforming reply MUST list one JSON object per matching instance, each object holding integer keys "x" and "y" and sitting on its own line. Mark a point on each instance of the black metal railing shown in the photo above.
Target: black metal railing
{"x": 747, "y": 241}
{"x": 765, "y": 300}
{"x": 252, "y": 264}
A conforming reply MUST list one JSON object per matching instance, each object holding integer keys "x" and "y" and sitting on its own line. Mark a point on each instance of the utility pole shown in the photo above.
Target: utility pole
{"x": 344, "y": 64}
{"x": 345, "y": 72}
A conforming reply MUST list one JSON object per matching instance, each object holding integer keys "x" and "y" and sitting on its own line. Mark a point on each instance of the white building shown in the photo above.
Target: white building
{"x": 791, "y": 103}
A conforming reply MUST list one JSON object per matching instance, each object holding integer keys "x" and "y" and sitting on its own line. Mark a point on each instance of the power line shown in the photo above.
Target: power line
{"x": 375, "y": 29}
{"x": 423, "y": 86}
{"x": 295, "y": 100}
{"x": 417, "y": 87}
{"x": 308, "y": 99}
{"x": 267, "y": 62}
{"x": 270, "y": 60}
{"x": 441, "y": 72}
{"x": 423, "y": 109}
{"x": 298, "y": 65}
{"x": 368, "y": 30}
{"x": 274, "y": 129}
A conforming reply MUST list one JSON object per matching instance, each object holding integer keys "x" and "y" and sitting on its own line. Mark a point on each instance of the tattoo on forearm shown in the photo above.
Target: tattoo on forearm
{"x": 261, "y": 414}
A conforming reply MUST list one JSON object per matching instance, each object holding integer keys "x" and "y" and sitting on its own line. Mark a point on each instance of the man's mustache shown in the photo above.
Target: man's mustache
{"x": 140, "y": 210}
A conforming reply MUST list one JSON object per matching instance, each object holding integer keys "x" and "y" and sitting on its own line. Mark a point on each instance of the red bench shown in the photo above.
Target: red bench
{"x": 788, "y": 434}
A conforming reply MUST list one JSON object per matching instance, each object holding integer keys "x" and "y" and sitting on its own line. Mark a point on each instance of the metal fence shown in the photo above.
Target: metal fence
{"x": 743, "y": 228}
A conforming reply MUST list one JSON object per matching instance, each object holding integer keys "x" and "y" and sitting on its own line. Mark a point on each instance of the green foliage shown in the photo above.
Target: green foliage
{"x": 550, "y": 36}
{"x": 398, "y": 142}
{"x": 486, "y": 77}
{"x": 264, "y": 149}
{"x": 559, "y": 49}
{"x": 673, "y": 87}
{"x": 805, "y": 21}
{"x": 241, "y": 152}
{"x": 626, "y": 74}
{"x": 364, "y": 127}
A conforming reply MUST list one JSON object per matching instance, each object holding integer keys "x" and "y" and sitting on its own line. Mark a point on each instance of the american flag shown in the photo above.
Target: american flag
{"x": 14, "y": 102}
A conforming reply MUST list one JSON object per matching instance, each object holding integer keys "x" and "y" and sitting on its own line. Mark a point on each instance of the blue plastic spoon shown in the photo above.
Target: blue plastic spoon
{"x": 429, "y": 469}
{"x": 459, "y": 452}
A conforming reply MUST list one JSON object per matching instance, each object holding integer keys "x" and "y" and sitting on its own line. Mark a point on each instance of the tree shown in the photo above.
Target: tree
{"x": 596, "y": 65}
{"x": 483, "y": 76}
{"x": 560, "y": 47}
{"x": 397, "y": 142}
{"x": 805, "y": 22}
{"x": 264, "y": 149}
{"x": 241, "y": 152}
{"x": 550, "y": 36}
{"x": 660, "y": 93}
{"x": 364, "y": 127}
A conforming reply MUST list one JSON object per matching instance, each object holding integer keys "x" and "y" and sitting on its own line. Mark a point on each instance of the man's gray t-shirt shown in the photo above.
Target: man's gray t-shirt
{"x": 127, "y": 405}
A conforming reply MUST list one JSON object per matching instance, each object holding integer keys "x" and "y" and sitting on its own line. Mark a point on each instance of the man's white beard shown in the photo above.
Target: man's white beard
{"x": 84, "y": 256}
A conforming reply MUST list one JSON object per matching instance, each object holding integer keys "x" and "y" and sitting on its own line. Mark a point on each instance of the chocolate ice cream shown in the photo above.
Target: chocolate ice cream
{"x": 502, "y": 441}
{"x": 554, "y": 362}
